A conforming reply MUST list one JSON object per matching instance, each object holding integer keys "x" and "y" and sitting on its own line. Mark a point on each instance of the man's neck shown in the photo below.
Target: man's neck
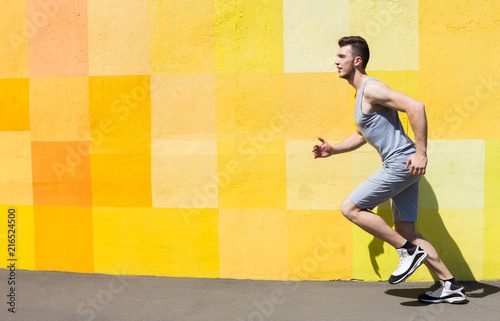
{"x": 357, "y": 79}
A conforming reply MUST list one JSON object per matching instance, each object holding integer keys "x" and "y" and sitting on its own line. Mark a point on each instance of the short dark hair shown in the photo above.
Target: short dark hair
{"x": 359, "y": 47}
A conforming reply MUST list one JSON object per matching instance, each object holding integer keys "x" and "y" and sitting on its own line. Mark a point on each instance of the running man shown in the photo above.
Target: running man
{"x": 376, "y": 109}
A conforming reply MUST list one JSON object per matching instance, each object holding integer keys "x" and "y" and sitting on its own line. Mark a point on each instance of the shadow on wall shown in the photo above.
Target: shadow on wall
{"x": 431, "y": 226}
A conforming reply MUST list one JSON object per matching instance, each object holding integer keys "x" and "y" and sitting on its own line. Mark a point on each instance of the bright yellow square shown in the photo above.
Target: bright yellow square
{"x": 256, "y": 174}
{"x": 492, "y": 175}
{"x": 118, "y": 37}
{"x": 455, "y": 182}
{"x": 253, "y": 244}
{"x": 71, "y": 229}
{"x": 250, "y": 106}
{"x": 23, "y": 227}
{"x": 491, "y": 255}
{"x": 249, "y": 36}
{"x": 15, "y": 171}
{"x": 460, "y": 90}
{"x": 317, "y": 104}
{"x": 316, "y": 183}
{"x": 182, "y": 37}
{"x": 14, "y": 42}
{"x": 374, "y": 260}
{"x": 319, "y": 245}
{"x": 120, "y": 114}
{"x": 59, "y": 109}
{"x": 14, "y": 104}
{"x": 391, "y": 30}
{"x": 153, "y": 241}
{"x": 184, "y": 173}
{"x": 121, "y": 180}
{"x": 310, "y": 34}
{"x": 170, "y": 119}
{"x": 458, "y": 238}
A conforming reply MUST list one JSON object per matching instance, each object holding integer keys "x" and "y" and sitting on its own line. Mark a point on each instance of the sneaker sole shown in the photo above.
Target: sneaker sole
{"x": 409, "y": 273}
{"x": 455, "y": 300}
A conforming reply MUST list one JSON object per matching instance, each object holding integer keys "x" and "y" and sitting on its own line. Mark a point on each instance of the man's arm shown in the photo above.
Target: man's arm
{"x": 354, "y": 141}
{"x": 379, "y": 93}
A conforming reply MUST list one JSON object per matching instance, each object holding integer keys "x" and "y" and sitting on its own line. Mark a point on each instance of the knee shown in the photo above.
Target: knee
{"x": 348, "y": 209}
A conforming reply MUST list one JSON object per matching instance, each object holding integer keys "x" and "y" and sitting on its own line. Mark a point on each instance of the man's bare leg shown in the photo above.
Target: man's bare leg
{"x": 407, "y": 230}
{"x": 372, "y": 223}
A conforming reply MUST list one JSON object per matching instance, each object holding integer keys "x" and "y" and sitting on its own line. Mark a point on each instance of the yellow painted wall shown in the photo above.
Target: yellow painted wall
{"x": 174, "y": 138}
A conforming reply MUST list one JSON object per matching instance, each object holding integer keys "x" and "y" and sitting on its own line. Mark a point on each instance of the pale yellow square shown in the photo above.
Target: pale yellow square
{"x": 14, "y": 41}
{"x": 16, "y": 177}
{"x": 184, "y": 173}
{"x": 255, "y": 174}
{"x": 253, "y": 244}
{"x": 183, "y": 107}
{"x": 59, "y": 109}
{"x": 316, "y": 183}
{"x": 392, "y": 31}
{"x": 311, "y": 30}
{"x": 455, "y": 173}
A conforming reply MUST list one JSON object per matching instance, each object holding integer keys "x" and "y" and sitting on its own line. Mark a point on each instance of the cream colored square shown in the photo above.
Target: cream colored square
{"x": 118, "y": 37}
{"x": 184, "y": 173}
{"x": 311, "y": 30}
{"x": 316, "y": 183}
{"x": 391, "y": 30}
{"x": 15, "y": 172}
{"x": 253, "y": 244}
{"x": 59, "y": 109}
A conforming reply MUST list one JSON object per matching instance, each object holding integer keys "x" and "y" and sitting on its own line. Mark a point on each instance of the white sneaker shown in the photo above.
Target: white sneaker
{"x": 409, "y": 261}
{"x": 448, "y": 292}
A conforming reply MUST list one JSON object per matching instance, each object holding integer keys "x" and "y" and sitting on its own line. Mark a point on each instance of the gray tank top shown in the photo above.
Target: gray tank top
{"x": 383, "y": 130}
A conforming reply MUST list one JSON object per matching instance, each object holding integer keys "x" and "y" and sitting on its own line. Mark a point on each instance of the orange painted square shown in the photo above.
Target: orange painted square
{"x": 58, "y": 38}
{"x": 14, "y": 104}
{"x": 63, "y": 239}
{"x": 61, "y": 173}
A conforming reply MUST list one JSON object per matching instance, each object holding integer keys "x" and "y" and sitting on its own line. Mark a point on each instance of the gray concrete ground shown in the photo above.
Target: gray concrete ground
{"x": 52, "y": 296}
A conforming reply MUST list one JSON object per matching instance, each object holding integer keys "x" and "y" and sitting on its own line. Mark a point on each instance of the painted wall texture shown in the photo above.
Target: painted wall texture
{"x": 174, "y": 138}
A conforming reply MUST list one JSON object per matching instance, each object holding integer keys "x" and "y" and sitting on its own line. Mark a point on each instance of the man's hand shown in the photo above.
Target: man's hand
{"x": 323, "y": 150}
{"x": 417, "y": 164}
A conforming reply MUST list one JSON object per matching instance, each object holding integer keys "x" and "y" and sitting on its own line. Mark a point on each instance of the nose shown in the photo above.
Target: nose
{"x": 337, "y": 62}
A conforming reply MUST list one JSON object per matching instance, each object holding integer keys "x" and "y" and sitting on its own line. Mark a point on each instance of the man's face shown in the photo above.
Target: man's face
{"x": 345, "y": 62}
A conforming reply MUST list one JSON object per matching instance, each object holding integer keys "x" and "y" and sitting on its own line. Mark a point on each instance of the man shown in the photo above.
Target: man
{"x": 403, "y": 162}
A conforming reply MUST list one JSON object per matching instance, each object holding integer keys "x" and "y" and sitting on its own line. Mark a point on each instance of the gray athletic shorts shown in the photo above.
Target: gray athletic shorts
{"x": 398, "y": 185}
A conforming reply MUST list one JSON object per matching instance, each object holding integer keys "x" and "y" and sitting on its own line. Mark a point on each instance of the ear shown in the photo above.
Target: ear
{"x": 358, "y": 61}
